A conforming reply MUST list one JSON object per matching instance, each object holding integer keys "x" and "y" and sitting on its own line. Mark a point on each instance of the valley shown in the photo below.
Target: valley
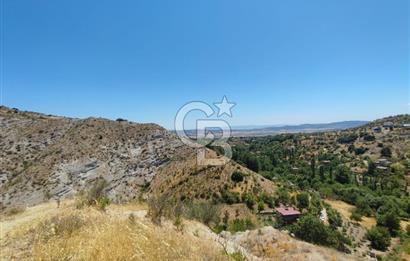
{"x": 101, "y": 176}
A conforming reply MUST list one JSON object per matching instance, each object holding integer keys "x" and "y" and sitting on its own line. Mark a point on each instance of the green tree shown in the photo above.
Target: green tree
{"x": 390, "y": 220}
{"x": 379, "y": 238}
{"x": 237, "y": 177}
{"x": 313, "y": 167}
{"x": 283, "y": 197}
{"x": 302, "y": 200}
{"x": 342, "y": 175}
{"x": 311, "y": 229}
{"x": 322, "y": 173}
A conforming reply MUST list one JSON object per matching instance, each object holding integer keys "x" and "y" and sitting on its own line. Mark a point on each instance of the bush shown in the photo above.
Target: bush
{"x": 386, "y": 152}
{"x": 369, "y": 137}
{"x": 302, "y": 200}
{"x": 157, "y": 207}
{"x": 237, "y": 256}
{"x": 238, "y": 225}
{"x": 103, "y": 203}
{"x": 347, "y": 138}
{"x": 229, "y": 197}
{"x": 14, "y": 210}
{"x": 261, "y": 206}
{"x": 59, "y": 226}
{"x": 335, "y": 220}
{"x": 203, "y": 211}
{"x": 309, "y": 228}
{"x": 379, "y": 238}
{"x": 237, "y": 177}
{"x": 342, "y": 175}
{"x": 283, "y": 197}
{"x": 250, "y": 200}
{"x": 356, "y": 216}
{"x": 390, "y": 220}
{"x": 96, "y": 196}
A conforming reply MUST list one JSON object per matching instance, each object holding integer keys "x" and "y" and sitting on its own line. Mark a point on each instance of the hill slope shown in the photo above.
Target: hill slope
{"x": 46, "y": 157}
{"x": 124, "y": 232}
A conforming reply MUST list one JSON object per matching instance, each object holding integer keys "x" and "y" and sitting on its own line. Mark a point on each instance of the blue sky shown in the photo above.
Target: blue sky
{"x": 282, "y": 62}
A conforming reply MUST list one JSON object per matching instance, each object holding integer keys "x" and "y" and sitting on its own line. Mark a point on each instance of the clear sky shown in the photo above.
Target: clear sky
{"x": 282, "y": 62}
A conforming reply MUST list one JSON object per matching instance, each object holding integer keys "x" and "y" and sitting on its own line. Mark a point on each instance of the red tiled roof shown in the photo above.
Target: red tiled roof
{"x": 287, "y": 211}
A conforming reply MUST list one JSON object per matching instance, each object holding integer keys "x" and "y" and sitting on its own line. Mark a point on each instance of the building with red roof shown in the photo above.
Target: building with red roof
{"x": 288, "y": 214}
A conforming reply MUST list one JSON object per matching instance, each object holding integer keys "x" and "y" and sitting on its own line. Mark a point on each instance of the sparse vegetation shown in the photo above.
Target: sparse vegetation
{"x": 14, "y": 211}
{"x": 95, "y": 196}
{"x": 238, "y": 225}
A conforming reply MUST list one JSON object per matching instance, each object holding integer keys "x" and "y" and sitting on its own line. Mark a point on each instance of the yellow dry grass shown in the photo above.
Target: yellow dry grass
{"x": 89, "y": 234}
{"x": 346, "y": 210}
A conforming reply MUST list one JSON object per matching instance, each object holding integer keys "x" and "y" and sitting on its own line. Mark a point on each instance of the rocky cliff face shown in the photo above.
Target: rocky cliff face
{"x": 44, "y": 156}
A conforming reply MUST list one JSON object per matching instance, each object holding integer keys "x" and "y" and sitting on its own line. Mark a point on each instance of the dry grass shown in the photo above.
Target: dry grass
{"x": 346, "y": 210}
{"x": 122, "y": 233}
{"x": 14, "y": 211}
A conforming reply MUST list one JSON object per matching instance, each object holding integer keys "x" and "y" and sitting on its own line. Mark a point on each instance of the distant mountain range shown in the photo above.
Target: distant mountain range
{"x": 243, "y": 131}
{"x": 270, "y": 130}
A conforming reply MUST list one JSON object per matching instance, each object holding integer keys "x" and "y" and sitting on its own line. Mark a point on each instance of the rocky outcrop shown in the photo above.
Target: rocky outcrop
{"x": 46, "y": 156}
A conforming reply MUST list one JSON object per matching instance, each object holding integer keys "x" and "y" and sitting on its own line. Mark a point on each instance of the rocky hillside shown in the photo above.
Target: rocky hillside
{"x": 185, "y": 179}
{"x": 47, "y": 156}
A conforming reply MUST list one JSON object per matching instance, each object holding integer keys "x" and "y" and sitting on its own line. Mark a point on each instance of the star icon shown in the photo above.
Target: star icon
{"x": 225, "y": 107}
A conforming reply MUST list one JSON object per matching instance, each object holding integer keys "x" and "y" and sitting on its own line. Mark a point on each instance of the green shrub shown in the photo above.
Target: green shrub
{"x": 250, "y": 200}
{"x": 390, "y": 220}
{"x": 229, "y": 197}
{"x": 379, "y": 238}
{"x": 237, "y": 177}
{"x": 356, "y": 216}
{"x": 261, "y": 205}
{"x": 103, "y": 203}
{"x": 237, "y": 256}
{"x": 238, "y": 225}
{"x": 347, "y": 138}
{"x": 95, "y": 196}
{"x": 203, "y": 211}
{"x": 302, "y": 200}
{"x": 309, "y": 228}
{"x": 335, "y": 220}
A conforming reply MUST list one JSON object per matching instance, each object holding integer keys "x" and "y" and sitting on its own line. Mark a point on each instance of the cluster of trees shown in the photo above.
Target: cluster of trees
{"x": 375, "y": 193}
{"x": 309, "y": 228}
{"x": 348, "y": 138}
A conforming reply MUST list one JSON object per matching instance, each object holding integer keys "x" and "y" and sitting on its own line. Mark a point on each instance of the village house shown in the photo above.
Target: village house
{"x": 388, "y": 125}
{"x": 383, "y": 162}
{"x": 382, "y": 168}
{"x": 288, "y": 214}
